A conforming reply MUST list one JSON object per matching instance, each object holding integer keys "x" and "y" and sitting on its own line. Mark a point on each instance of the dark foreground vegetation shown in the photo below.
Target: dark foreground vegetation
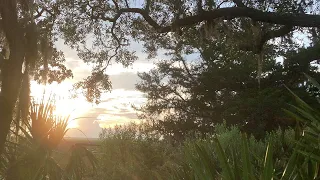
{"x": 135, "y": 152}
{"x": 230, "y": 97}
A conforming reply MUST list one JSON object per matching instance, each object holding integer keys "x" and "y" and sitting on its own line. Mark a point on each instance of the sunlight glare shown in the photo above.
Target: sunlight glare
{"x": 73, "y": 124}
{"x": 65, "y": 105}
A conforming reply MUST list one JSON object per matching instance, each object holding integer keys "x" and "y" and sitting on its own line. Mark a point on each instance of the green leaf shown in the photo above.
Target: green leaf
{"x": 236, "y": 167}
{"x": 206, "y": 161}
{"x": 313, "y": 81}
{"x": 223, "y": 160}
{"x": 290, "y": 167}
{"x": 312, "y": 155}
{"x": 246, "y": 163}
{"x": 300, "y": 101}
{"x": 268, "y": 163}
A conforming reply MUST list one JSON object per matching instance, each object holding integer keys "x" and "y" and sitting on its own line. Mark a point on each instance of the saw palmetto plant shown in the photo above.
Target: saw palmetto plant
{"x": 31, "y": 156}
{"x": 215, "y": 162}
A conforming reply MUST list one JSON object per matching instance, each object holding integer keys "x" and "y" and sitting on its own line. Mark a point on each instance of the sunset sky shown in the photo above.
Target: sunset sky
{"x": 115, "y": 106}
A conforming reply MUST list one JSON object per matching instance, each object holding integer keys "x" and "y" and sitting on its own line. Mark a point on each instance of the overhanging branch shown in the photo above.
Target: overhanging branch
{"x": 288, "y": 19}
{"x": 302, "y": 20}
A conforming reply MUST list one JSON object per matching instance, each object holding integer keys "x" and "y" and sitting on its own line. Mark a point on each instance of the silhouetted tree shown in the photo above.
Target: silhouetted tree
{"x": 26, "y": 41}
{"x": 186, "y": 96}
{"x": 112, "y": 25}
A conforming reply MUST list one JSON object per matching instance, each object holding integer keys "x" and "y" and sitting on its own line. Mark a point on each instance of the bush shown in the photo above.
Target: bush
{"x": 131, "y": 152}
{"x": 128, "y": 153}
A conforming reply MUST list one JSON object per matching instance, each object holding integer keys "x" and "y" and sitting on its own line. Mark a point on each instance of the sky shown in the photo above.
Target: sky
{"x": 87, "y": 120}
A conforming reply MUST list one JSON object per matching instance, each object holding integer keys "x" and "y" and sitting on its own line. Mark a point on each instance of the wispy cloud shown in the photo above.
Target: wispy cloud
{"x": 116, "y": 106}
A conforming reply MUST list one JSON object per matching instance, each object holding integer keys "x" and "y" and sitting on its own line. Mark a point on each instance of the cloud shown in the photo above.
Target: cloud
{"x": 125, "y": 80}
{"x": 110, "y": 120}
{"x": 67, "y": 51}
{"x": 87, "y": 127}
{"x": 136, "y": 67}
{"x": 80, "y": 73}
{"x": 115, "y": 108}
{"x": 73, "y": 63}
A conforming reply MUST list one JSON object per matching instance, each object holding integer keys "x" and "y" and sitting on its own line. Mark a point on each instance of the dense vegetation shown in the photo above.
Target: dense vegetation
{"x": 135, "y": 152}
{"x": 131, "y": 155}
{"x": 232, "y": 97}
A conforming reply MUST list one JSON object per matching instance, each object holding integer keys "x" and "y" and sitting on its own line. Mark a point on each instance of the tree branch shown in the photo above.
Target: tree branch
{"x": 39, "y": 14}
{"x": 147, "y": 7}
{"x": 199, "y": 6}
{"x": 239, "y": 3}
{"x": 305, "y": 55}
{"x": 277, "y": 33}
{"x": 144, "y": 14}
{"x": 288, "y": 19}
{"x": 115, "y": 4}
{"x": 274, "y": 34}
{"x": 127, "y": 4}
{"x": 221, "y": 3}
{"x": 187, "y": 69}
{"x": 302, "y": 20}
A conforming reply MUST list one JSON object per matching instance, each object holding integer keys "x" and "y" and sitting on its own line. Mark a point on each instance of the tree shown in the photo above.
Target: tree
{"x": 222, "y": 86}
{"x": 250, "y": 27}
{"x": 27, "y": 37}
{"x": 112, "y": 25}
{"x": 158, "y": 24}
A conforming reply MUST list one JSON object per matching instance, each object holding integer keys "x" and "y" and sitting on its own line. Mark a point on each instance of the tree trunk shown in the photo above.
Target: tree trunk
{"x": 5, "y": 115}
{"x": 11, "y": 79}
{"x": 11, "y": 70}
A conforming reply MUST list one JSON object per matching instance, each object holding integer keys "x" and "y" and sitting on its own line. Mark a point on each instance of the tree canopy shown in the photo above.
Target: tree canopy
{"x": 113, "y": 25}
{"x": 186, "y": 96}
{"x": 102, "y": 32}
{"x": 27, "y": 51}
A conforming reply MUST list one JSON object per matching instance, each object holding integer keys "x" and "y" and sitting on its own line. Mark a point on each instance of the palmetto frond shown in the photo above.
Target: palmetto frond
{"x": 303, "y": 163}
{"x": 77, "y": 165}
{"x": 45, "y": 127}
{"x": 37, "y": 143}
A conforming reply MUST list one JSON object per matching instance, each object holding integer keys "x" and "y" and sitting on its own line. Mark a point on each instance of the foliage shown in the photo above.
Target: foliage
{"x": 302, "y": 162}
{"x": 133, "y": 152}
{"x": 128, "y": 153}
{"x": 29, "y": 29}
{"x": 27, "y": 52}
{"x": 229, "y": 153}
{"x": 187, "y": 94}
{"x": 203, "y": 156}
{"x": 116, "y": 27}
{"x": 29, "y": 153}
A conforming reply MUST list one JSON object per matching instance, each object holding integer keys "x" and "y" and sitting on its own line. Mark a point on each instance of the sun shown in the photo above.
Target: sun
{"x": 73, "y": 124}
{"x": 64, "y": 105}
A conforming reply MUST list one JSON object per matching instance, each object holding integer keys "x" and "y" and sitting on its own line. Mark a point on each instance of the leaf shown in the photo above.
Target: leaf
{"x": 312, "y": 155}
{"x": 268, "y": 163}
{"x": 300, "y": 101}
{"x": 290, "y": 167}
{"x": 223, "y": 160}
{"x": 206, "y": 161}
{"x": 236, "y": 167}
{"x": 313, "y": 81}
{"x": 246, "y": 163}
